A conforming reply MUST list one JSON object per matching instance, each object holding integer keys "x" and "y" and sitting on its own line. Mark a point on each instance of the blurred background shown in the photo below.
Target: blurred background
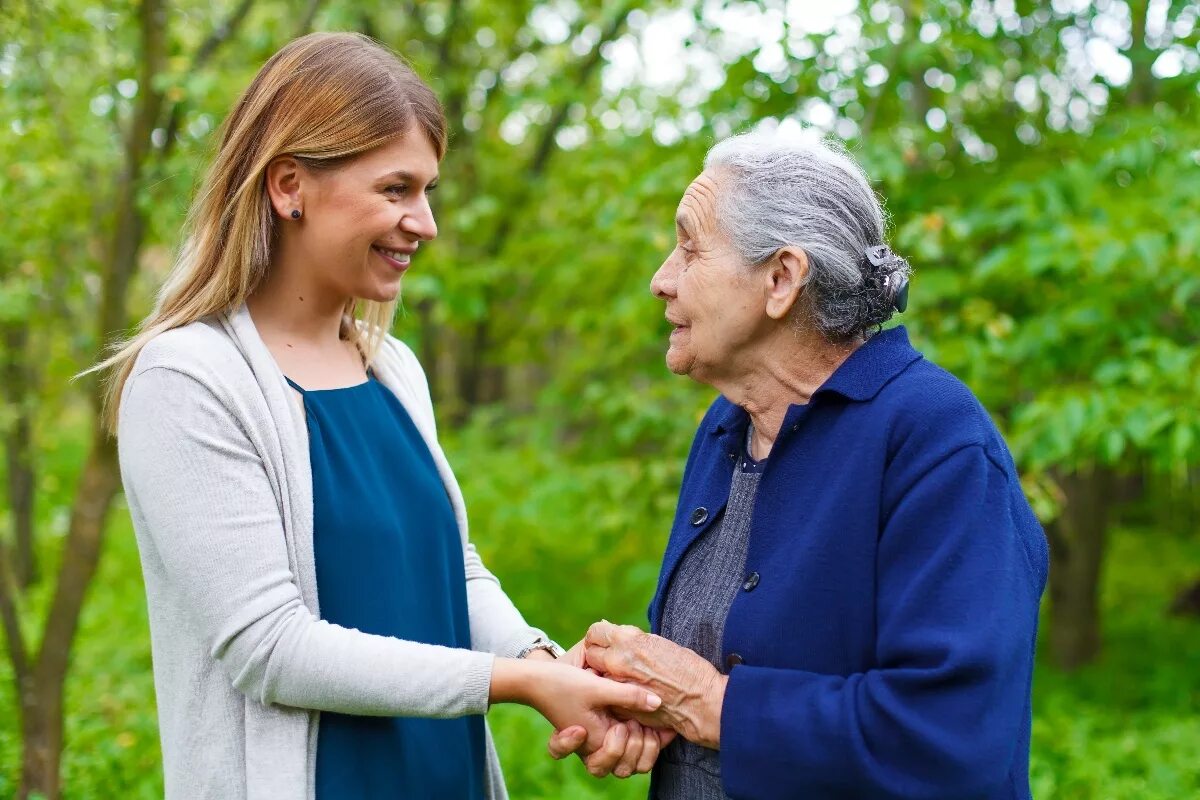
{"x": 1041, "y": 163}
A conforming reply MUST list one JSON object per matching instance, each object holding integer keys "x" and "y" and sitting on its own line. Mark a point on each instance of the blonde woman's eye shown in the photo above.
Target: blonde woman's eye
{"x": 397, "y": 189}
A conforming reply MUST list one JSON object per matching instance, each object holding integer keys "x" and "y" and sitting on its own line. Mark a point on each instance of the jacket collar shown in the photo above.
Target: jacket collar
{"x": 860, "y": 377}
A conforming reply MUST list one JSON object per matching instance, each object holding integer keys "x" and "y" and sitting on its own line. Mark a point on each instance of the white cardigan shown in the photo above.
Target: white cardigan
{"x": 214, "y": 458}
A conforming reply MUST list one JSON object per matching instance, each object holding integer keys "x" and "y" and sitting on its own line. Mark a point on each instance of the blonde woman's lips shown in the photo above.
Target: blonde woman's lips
{"x": 395, "y": 259}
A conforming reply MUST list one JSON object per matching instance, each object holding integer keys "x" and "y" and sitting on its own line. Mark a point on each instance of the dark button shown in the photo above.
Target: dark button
{"x": 699, "y": 515}
{"x": 751, "y": 582}
{"x": 732, "y": 456}
{"x": 732, "y": 660}
{"x": 796, "y": 427}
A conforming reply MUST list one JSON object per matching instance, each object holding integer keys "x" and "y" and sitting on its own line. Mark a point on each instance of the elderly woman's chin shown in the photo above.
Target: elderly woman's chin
{"x": 680, "y": 360}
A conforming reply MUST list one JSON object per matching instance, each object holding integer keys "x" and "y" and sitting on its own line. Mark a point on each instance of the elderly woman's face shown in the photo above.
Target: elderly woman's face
{"x": 714, "y": 304}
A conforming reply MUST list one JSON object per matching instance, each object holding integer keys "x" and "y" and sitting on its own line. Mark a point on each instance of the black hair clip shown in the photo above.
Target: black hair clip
{"x": 879, "y": 257}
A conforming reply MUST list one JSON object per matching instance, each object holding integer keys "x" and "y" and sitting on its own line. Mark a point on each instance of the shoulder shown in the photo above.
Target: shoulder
{"x": 198, "y": 349}
{"x": 194, "y": 365}
{"x": 401, "y": 354}
{"x": 931, "y": 413}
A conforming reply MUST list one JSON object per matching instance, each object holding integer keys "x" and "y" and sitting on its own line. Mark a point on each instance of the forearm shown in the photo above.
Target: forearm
{"x": 518, "y": 680}
{"x": 313, "y": 664}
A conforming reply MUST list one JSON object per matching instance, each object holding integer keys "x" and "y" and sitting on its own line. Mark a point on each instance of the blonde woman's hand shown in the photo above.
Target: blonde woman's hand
{"x": 629, "y": 748}
{"x": 568, "y": 696}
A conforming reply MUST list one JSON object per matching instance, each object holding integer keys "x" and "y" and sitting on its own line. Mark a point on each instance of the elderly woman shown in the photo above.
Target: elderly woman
{"x": 848, "y": 602}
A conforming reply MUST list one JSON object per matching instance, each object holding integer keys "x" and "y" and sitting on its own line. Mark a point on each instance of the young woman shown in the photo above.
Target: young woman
{"x": 303, "y": 539}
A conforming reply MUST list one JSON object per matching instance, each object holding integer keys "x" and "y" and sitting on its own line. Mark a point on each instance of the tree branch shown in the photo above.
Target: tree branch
{"x": 306, "y": 19}
{"x": 222, "y": 33}
{"x": 66, "y": 135}
{"x": 469, "y": 382}
{"x": 10, "y": 620}
{"x": 541, "y": 155}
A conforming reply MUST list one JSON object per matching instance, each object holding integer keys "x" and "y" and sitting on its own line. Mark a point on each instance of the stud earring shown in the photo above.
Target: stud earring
{"x": 295, "y": 213}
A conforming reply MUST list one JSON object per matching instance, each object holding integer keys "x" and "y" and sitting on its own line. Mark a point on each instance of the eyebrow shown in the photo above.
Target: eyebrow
{"x": 402, "y": 175}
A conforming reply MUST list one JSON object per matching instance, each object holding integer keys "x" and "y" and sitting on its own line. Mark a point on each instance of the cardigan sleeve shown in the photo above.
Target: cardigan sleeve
{"x": 210, "y": 522}
{"x": 497, "y": 626}
{"x": 939, "y": 715}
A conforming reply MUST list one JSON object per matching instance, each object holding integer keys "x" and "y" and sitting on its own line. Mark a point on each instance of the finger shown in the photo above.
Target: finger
{"x": 599, "y": 633}
{"x": 568, "y": 740}
{"x": 634, "y": 744}
{"x": 629, "y": 696}
{"x": 650, "y": 750}
{"x": 601, "y": 762}
{"x": 665, "y": 737}
{"x": 597, "y": 657}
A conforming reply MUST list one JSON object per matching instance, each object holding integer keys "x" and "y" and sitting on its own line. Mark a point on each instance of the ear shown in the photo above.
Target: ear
{"x": 786, "y": 275}
{"x": 284, "y": 185}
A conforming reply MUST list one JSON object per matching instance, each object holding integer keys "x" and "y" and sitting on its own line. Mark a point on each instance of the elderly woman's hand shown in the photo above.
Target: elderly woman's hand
{"x": 691, "y": 689}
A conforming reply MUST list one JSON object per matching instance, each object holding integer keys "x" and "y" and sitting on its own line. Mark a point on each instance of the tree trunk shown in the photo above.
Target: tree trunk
{"x": 18, "y": 450}
{"x": 42, "y": 692}
{"x": 42, "y": 738}
{"x": 1141, "y": 57}
{"x": 1077, "y": 544}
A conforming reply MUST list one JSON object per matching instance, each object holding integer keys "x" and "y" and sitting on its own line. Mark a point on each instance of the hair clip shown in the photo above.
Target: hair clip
{"x": 880, "y": 256}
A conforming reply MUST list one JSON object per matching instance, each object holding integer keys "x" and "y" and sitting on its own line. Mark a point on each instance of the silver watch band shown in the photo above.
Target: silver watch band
{"x": 548, "y": 645}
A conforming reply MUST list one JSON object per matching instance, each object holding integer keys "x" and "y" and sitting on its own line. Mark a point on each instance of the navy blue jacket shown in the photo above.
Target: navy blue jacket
{"x": 882, "y": 644}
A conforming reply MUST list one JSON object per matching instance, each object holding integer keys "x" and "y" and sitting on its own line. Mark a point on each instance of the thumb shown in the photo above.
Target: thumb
{"x": 568, "y": 740}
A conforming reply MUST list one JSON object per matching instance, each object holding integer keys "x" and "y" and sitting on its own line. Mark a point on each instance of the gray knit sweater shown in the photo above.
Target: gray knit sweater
{"x": 214, "y": 458}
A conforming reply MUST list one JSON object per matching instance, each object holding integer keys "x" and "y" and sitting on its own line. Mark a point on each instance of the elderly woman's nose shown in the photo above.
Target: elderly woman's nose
{"x": 662, "y": 285}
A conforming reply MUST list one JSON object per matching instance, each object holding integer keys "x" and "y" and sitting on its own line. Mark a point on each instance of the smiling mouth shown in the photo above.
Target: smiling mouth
{"x": 397, "y": 259}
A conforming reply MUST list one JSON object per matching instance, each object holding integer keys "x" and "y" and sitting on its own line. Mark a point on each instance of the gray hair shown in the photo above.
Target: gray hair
{"x": 779, "y": 190}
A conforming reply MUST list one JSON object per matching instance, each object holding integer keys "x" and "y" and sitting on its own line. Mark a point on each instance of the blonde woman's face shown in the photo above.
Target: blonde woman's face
{"x": 362, "y": 223}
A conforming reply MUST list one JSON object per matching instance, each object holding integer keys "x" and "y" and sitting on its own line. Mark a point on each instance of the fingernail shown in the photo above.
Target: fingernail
{"x": 653, "y": 701}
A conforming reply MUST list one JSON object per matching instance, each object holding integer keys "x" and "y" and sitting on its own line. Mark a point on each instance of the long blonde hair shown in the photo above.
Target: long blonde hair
{"x": 323, "y": 98}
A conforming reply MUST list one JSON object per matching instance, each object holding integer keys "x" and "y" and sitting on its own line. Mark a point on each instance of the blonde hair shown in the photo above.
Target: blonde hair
{"x": 323, "y": 98}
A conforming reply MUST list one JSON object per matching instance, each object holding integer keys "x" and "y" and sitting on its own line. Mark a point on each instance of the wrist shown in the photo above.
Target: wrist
{"x": 710, "y": 713}
{"x": 517, "y": 680}
{"x": 545, "y": 646}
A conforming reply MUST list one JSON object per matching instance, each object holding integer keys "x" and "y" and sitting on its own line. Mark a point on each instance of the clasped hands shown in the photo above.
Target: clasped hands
{"x": 682, "y": 695}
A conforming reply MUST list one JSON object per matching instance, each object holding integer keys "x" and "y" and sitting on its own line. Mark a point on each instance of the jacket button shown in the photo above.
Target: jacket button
{"x": 731, "y": 661}
{"x": 751, "y": 582}
{"x": 699, "y": 515}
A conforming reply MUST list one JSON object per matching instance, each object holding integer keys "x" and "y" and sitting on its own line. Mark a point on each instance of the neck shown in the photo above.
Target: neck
{"x": 290, "y": 302}
{"x": 785, "y": 372}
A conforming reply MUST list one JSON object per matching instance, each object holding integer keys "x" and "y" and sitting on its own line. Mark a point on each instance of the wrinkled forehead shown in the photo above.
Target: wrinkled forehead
{"x": 697, "y": 209}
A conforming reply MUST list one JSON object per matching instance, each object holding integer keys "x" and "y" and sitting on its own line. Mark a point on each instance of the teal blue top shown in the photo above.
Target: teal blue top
{"x": 389, "y": 562}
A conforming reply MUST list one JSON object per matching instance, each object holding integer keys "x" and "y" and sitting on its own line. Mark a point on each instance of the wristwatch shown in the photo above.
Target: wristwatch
{"x": 548, "y": 645}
